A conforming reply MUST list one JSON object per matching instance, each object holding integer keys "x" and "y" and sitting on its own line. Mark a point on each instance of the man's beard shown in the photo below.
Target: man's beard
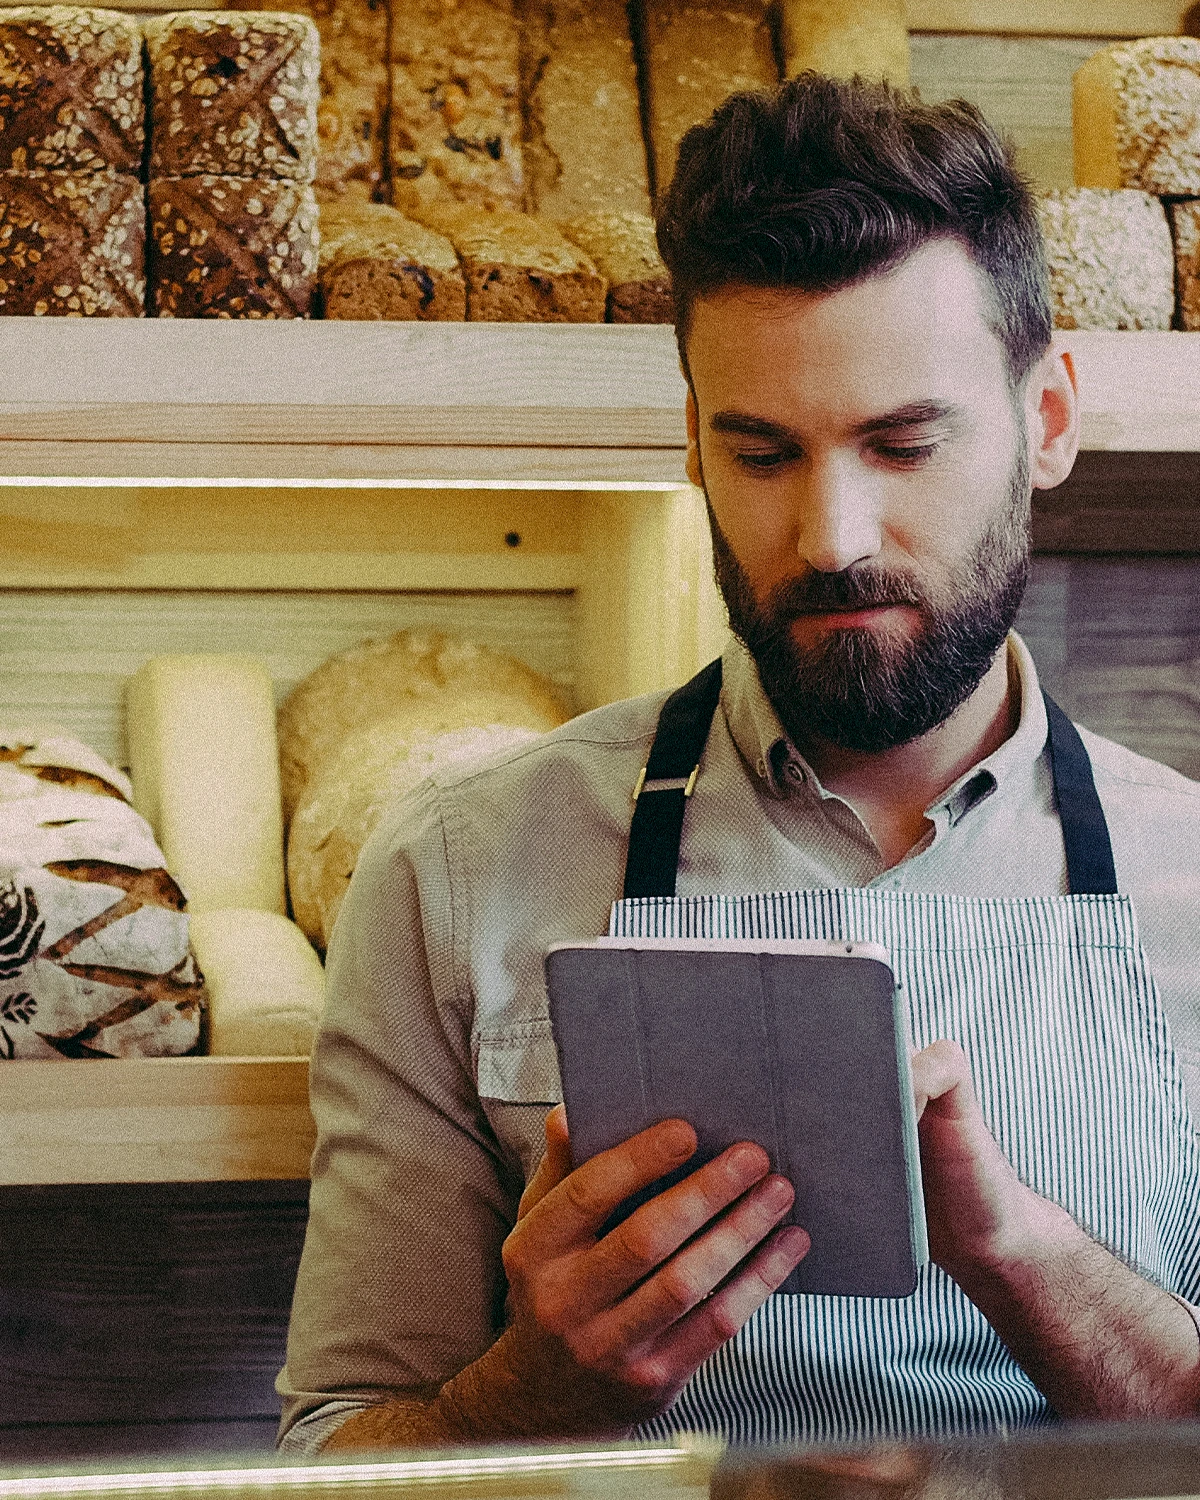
{"x": 870, "y": 690}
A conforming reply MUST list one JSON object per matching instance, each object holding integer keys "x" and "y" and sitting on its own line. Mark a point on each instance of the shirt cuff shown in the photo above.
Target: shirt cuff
{"x": 306, "y": 1438}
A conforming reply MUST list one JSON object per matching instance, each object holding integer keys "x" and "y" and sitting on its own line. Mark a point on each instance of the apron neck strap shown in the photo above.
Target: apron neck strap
{"x": 667, "y": 779}
{"x": 669, "y": 776}
{"x": 1091, "y": 870}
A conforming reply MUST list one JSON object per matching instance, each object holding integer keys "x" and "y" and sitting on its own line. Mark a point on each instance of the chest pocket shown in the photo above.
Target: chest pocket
{"x": 516, "y": 1073}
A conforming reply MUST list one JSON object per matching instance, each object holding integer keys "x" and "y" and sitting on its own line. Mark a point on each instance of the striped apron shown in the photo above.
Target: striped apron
{"x": 1054, "y": 1004}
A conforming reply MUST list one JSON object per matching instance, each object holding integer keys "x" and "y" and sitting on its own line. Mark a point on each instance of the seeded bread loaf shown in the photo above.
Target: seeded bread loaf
{"x": 376, "y": 263}
{"x": 1108, "y": 254}
{"x": 233, "y": 94}
{"x": 71, "y": 90}
{"x": 583, "y": 131}
{"x": 626, "y": 255}
{"x": 845, "y": 38}
{"x": 380, "y": 678}
{"x": 455, "y": 127}
{"x": 72, "y": 245}
{"x": 518, "y": 269}
{"x": 696, "y": 55}
{"x": 1136, "y": 117}
{"x": 231, "y": 247}
{"x": 353, "y": 88}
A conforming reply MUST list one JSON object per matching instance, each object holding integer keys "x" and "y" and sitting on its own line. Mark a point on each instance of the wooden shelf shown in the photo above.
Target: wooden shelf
{"x": 417, "y": 404}
{"x": 186, "y": 1119}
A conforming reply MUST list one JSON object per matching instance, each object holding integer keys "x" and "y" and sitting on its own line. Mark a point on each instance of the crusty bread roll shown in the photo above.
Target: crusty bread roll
{"x": 343, "y": 803}
{"x": 380, "y": 678}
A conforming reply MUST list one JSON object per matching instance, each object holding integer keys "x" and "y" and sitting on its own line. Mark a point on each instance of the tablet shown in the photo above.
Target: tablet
{"x": 801, "y": 1047}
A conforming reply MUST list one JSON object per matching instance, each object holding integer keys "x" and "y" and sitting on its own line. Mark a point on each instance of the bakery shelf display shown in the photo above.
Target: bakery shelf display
{"x": 501, "y": 405}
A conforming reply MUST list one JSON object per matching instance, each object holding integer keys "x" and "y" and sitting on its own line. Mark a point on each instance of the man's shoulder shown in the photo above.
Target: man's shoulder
{"x": 596, "y": 744}
{"x": 1144, "y": 790}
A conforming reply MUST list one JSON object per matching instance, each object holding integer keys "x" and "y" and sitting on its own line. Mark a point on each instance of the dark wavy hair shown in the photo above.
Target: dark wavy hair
{"x": 823, "y": 183}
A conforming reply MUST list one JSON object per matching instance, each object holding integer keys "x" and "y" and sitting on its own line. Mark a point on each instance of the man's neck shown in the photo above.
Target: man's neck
{"x": 891, "y": 789}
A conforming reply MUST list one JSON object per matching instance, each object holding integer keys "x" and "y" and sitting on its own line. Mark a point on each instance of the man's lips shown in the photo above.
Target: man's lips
{"x": 862, "y": 614}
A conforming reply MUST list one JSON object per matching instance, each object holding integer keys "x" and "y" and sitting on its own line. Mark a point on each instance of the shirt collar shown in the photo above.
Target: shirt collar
{"x": 780, "y": 770}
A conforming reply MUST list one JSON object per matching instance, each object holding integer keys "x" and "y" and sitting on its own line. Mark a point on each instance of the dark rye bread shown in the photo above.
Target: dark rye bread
{"x": 518, "y": 269}
{"x": 71, "y": 93}
{"x": 72, "y": 245}
{"x": 378, "y": 264}
{"x": 353, "y": 88}
{"x": 231, "y": 247}
{"x": 583, "y": 131}
{"x": 696, "y": 54}
{"x": 455, "y": 124}
{"x": 626, "y": 255}
{"x": 233, "y": 93}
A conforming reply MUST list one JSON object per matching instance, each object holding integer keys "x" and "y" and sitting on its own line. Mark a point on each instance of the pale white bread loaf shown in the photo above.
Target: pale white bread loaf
{"x": 342, "y": 805}
{"x": 204, "y": 761}
{"x": 1136, "y": 117}
{"x": 377, "y": 678}
{"x": 1109, "y": 259}
{"x": 266, "y": 986}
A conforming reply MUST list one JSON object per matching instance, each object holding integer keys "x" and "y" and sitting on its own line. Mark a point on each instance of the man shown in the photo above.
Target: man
{"x": 872, "y": 400}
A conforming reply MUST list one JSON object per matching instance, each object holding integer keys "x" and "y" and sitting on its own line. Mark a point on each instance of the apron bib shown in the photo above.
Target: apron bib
{"x": 1054, "y": 1004}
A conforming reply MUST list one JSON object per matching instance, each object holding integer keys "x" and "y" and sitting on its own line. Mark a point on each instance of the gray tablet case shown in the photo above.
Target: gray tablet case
{"x": 804, "y": 1054}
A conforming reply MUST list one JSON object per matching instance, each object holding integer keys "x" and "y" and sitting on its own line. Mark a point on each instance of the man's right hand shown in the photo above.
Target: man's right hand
{"x": 606, "y": 1330}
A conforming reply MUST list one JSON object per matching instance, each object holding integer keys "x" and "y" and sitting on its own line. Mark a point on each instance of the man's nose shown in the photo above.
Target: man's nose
{"x": 839, "y": 521}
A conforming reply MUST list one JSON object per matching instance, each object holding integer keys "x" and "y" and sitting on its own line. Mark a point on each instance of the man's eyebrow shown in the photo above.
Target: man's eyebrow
{"x": 912, "y": 414}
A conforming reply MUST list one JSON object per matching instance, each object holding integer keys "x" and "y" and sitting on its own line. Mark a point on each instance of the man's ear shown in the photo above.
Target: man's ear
{"x": 1052, "y": 419}
{"x": 693, "y": 439}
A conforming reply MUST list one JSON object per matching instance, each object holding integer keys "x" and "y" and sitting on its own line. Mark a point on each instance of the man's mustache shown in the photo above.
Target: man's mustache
{"x": 855, "y": 588}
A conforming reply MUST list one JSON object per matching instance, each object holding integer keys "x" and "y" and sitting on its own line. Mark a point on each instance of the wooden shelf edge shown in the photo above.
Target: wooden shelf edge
{"x": 187, "y": 1119}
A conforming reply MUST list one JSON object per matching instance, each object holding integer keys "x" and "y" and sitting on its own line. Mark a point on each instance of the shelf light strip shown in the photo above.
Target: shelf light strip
{"x": 325, "y": 1475}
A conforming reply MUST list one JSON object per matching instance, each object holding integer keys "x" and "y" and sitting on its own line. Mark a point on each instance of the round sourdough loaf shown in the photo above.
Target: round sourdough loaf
{"x": 380, "y": 678}
{"x": 94, "y": 955}
{"x": 341, "y": 805}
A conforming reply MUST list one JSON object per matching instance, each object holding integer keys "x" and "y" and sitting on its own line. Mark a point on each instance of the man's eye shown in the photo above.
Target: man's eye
{"x": 762, "y": 460}
{"x": 910, "y": 455}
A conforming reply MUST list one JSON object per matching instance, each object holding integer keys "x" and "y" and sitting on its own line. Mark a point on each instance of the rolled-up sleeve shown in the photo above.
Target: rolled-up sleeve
{"x": 400, "y": 1283}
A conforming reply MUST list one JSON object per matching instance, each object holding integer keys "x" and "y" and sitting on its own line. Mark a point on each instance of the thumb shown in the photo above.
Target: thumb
{"x": 554, "y": 1166}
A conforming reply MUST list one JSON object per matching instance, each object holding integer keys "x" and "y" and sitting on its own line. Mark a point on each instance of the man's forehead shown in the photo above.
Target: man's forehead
{"x": 921, "y": 331}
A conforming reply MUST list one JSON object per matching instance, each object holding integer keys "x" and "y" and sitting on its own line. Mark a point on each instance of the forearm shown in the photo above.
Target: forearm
{"x": 502, "y": 1397}
{"x": 1097, "y": 1339}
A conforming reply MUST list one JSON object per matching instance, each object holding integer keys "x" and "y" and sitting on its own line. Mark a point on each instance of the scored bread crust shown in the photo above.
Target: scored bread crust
{"x": 342, "y": 806}
{"x": 378, "y": 678}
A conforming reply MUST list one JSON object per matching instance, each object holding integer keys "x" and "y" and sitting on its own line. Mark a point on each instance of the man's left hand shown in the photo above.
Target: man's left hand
{"x": 1095, "y": 1337}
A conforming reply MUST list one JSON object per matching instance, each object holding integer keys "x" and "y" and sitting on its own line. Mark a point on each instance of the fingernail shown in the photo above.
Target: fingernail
{"x": 777, "y": 1192}
{"x": 748, "y": 1162}
{"x": 678, "y": 1138}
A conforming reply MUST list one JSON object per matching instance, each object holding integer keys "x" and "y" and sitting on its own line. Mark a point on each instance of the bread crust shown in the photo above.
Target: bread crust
{"x": 71, "y": 90}
{"x": 1109, "y": 259}
{"x": 380, "y": 678}
{"x": 1137, "y": 117}
{"x": 377, "y": 264}
{"x": 695, "y": 56}
{"x": 583, "y": 132}
{"x": 231, "y": 247}
{"x": 72, "y": 245}
{"x": 626, "y": 254}
{"x": 518, "y": 269}
{"x": 455, "y": 130}
{"x": 375, "y": 766}
{"x": 233, "y": 93}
